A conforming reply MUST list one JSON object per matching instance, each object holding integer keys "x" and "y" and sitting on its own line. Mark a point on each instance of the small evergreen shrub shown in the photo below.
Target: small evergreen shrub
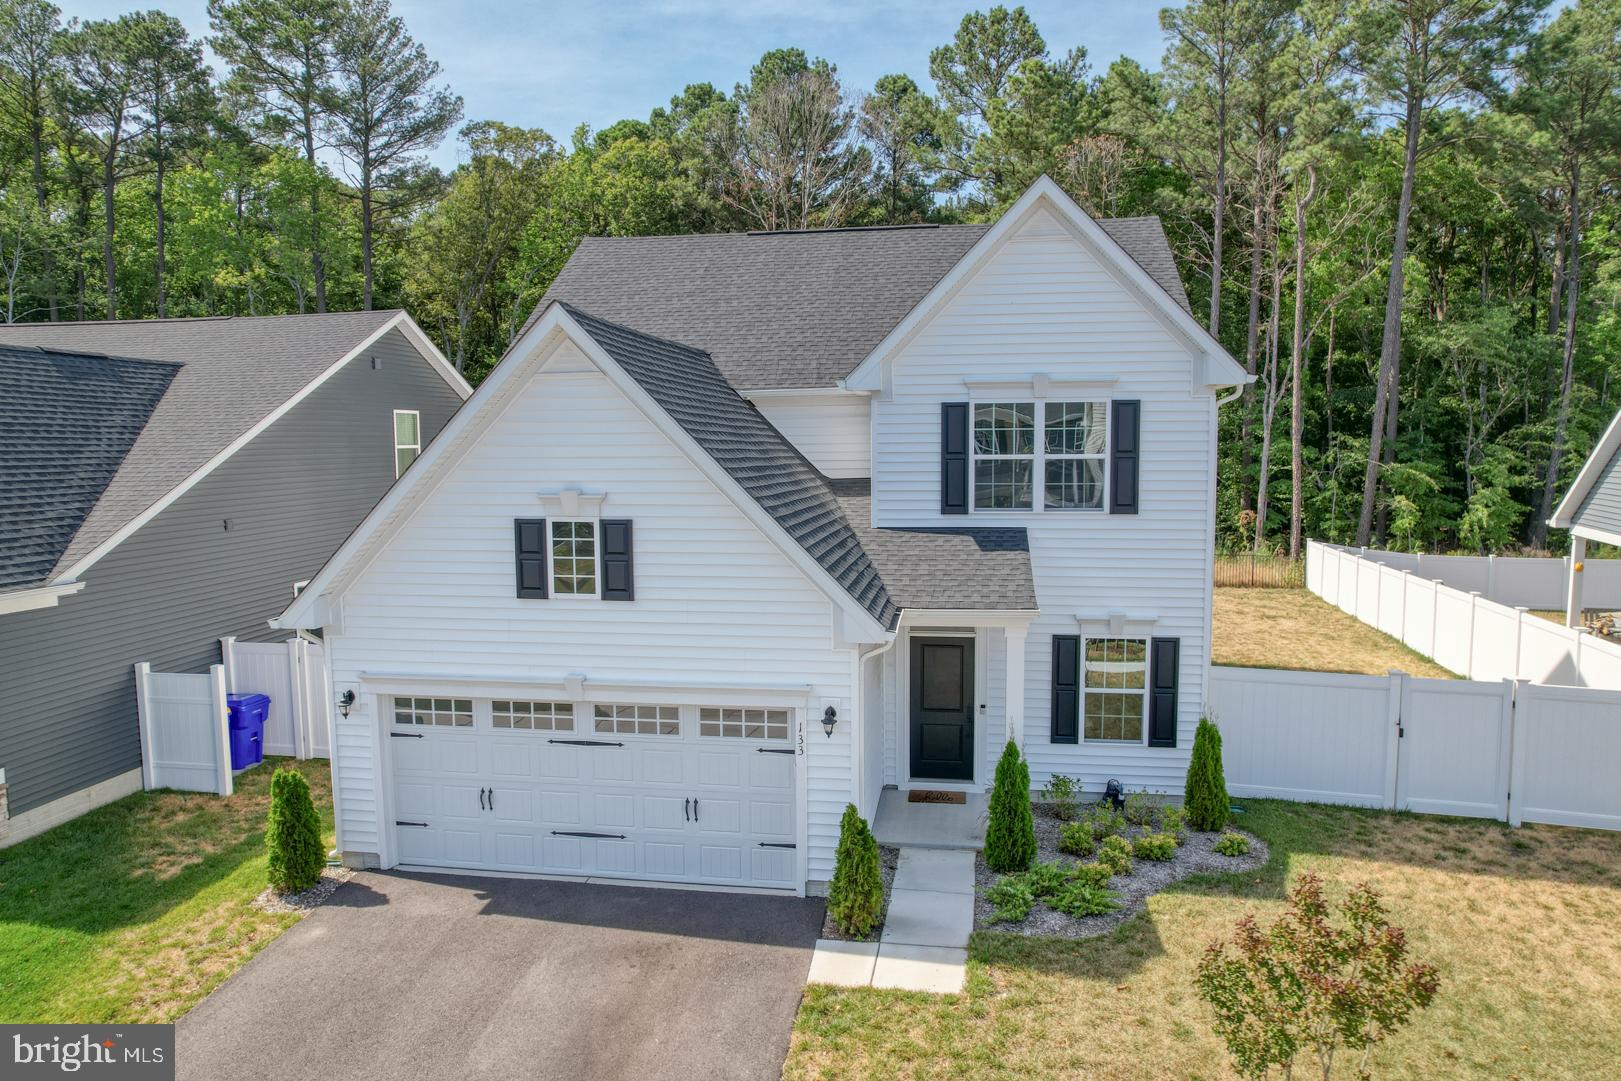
{"x": 1115, "y": 854}
{"x": 1158, "y": 847}
{"x": 1141, "y": 809}
{"x": 1091, "y": 874}
{"x": 855, "y": 897}
{"x": 1064, "y": 795}
{"x": 1010, "y": 837}
{"x": 1232, "y": 844}
{"x": 1205, "y": 799}
{"x": 293, "y": 834}
{"x": 1048, "y": 877}
{"x": 1081, "y": 899}
{"x": 1012, "y": 897}
{"x": 1104, "y": 821}
{"x": 1174, "y": 820}
{"x": 1076, "y": 839}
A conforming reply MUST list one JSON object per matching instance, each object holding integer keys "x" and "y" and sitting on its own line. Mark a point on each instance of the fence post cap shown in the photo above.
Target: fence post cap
{"x": 1522, "y": 607}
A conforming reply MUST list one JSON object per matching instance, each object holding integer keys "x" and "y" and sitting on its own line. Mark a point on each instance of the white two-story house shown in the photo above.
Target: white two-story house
{"x": 745, "y": 528}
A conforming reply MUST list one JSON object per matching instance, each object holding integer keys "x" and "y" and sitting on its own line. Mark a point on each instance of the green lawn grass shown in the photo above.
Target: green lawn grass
{"x": 137, "y": 910}
{"x": 1520, "y": 922}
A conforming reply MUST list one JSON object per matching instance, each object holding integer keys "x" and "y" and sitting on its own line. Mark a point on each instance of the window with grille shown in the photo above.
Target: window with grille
{"x": 445, "y": 712}
{"x": 638, "y": 720}
{"x": 1116, "y": 687}
{"x": 743, "y": 723}
{"x": 536, "y": 716}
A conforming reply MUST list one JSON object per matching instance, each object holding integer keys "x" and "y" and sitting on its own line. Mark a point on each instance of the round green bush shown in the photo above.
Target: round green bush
{"x": 1115, "y": 854}
{"x": 293, "y": 835}
{"x": 855, "y": 897}
{"x": 1075, "y": 838}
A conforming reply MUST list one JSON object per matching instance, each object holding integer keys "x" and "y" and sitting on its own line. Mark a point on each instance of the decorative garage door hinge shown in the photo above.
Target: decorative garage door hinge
{"x": 776, "y": 844}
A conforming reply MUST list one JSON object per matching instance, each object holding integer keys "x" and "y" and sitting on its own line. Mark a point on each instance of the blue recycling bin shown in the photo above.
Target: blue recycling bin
{"x": 245, "y": 722}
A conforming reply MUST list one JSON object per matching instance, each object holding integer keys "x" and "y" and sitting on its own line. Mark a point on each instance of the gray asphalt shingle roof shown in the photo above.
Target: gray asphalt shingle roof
{"x": 687, "y": 385}
{"x": 939, "y": 567}
{"x": 885, "y": 570}
{"x": 790, "y": 309}
{"x": 234, "y": 371}
{"x": 66, "y": 422}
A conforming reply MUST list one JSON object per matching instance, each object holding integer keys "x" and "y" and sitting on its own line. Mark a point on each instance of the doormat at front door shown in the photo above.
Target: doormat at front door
{"x": 931, "y": 795}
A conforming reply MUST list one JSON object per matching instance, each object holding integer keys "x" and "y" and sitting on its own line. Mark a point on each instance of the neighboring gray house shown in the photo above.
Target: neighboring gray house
{"x": 1591, "y": 510}
{"x": 163, "y": 484}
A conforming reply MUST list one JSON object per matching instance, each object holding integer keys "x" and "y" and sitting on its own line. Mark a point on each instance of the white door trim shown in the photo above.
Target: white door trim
{"x": 903, "y": 721}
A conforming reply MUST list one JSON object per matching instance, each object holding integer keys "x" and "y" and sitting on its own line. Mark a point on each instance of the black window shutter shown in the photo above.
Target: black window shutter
{"x": 616, "y": 569}
{"x": 953, "y": 457}
{"x": 529, "y": 549}
{"x": 1125, "y": 436}
{"x": 1162, "y": 691}
{"x": 1066, "y": 688}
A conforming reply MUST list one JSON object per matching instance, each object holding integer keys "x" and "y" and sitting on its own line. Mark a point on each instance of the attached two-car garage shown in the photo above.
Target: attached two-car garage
{"x": 675, "y": 793}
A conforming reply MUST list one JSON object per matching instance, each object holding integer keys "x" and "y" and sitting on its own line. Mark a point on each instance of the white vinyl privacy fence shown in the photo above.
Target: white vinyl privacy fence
{"x": 293, "y": 674}
{"x": 1516, "y": 581}
{"x": 1505, "y": 750}
{"x": 184, "y": 741}
{"x": 1462, "y": 631}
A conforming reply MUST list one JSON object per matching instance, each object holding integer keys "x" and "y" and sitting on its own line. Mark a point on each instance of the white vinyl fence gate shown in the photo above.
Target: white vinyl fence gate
{"x": 184, "y": 743}
{"x": 1513, "y": 751}
{"x": 293, "y": 674}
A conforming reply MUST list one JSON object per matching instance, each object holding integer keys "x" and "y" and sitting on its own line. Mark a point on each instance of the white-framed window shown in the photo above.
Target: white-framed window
{"x": 532, "y": 716}
{"x": 1114, "y": 684}
{"x": 1040, "y": 455}
{"x": 637, "y": 720}
{"x": 444, "y": 712}
{"x": 573, "y": 557}
{"x": 734, "y": 723}
{"x": 407, "y": 439}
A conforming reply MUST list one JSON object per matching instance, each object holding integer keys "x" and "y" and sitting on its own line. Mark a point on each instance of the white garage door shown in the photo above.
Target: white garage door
{"x": 673, "y": 793}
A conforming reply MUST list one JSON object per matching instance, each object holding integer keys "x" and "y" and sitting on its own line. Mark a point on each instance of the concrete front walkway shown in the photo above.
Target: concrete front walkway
{"x": 924, "y": 943}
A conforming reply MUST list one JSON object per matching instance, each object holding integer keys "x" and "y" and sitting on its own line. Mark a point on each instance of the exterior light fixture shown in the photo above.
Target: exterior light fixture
{"x": 346, "y": 702}
{"x": 830, "y": 717}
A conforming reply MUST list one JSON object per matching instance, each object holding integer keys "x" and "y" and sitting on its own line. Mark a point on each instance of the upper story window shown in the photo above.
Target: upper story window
{"x": 574, "y": 558}
{"x": 407, "y": 438}
{"x": 1064, "y": 444}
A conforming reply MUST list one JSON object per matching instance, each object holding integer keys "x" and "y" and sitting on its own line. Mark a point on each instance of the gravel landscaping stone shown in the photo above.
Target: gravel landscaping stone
{"x": 305, "y": 900}
{"x": 1147, "y": 877}
{"x": 888, "y": 859}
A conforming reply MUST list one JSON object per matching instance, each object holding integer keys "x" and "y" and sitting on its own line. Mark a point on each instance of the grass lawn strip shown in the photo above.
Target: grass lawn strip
{"x": 1520, "y": 922}
{"x": 1294, "y": 629}
{"x": 135, "y": 911}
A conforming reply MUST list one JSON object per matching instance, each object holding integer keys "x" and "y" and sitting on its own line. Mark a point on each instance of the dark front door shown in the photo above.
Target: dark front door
{"x": 943, "y": 708}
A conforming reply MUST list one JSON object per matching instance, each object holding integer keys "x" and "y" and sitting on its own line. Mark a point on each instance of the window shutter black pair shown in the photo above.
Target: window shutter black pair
{"x": 1164, "y": 660}
{"x": 1124, "y": 428}
{"x": 614, "y": 558}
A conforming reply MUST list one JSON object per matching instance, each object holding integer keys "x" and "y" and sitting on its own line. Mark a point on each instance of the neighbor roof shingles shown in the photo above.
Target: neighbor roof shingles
{"x": 66, "y": 422}
{"x": 790, "y": 309}
{"x": 234, "y": 372}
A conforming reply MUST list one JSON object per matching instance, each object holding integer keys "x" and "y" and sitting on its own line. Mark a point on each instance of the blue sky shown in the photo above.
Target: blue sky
{"x": 553, "y": 65}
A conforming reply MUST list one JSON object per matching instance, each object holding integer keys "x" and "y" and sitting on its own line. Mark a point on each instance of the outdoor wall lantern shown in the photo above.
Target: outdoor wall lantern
{"x": 830, "y": 717}
{"x": 346, "y": 702}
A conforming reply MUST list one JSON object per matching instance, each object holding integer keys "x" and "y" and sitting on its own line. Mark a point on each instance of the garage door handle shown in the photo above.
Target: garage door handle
{"x": 423, "y": 825}
{"x": 405, "y": 735}
{"x": 776, "y": 844}
{"x": 580, "y": 833}
{"x": 686, "y": 809}
{"x": 586, "y": 742}
{"x": 775, "y": 750}
{"x": 695, "y": 808}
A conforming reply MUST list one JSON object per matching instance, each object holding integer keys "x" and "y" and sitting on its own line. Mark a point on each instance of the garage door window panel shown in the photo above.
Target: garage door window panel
{"x": 533, "y": 716}
{"x": 438, "y": 712}
{"x": 637, "y": 720}
{"x": 735, "y": 723}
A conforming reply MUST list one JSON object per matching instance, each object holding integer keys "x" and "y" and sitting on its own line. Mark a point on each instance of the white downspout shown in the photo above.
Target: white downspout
{"x": 858, "y": 745}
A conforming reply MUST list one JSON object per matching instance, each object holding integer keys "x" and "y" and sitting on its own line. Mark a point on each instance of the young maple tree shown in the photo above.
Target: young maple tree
{"x": 1310, "y": 986}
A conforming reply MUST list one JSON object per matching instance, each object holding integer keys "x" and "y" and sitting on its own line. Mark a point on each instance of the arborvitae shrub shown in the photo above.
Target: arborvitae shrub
{"x": 855, "y": 898}
{"x": 293, "y": 835}
{"x": 1205, "y": 799}
{"x": 1010, "y": 838}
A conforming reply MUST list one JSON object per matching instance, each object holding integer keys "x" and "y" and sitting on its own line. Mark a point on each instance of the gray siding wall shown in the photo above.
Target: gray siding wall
{"x": 183, "y": 581}
{"x": 1602, "y": 507}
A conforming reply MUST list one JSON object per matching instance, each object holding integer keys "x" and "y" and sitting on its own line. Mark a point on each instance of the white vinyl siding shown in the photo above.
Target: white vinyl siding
{"x": 1044, "y": 304}
{"x": 830, "y": 429}
{"x": 717, "y": 603}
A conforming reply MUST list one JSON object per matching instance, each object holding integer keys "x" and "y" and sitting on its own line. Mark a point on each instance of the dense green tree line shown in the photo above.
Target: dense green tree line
{"x": 1399, "y": 214}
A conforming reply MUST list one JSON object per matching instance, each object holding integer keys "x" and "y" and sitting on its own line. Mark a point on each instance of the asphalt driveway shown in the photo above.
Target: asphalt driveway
{"x": 427, "y": 976}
